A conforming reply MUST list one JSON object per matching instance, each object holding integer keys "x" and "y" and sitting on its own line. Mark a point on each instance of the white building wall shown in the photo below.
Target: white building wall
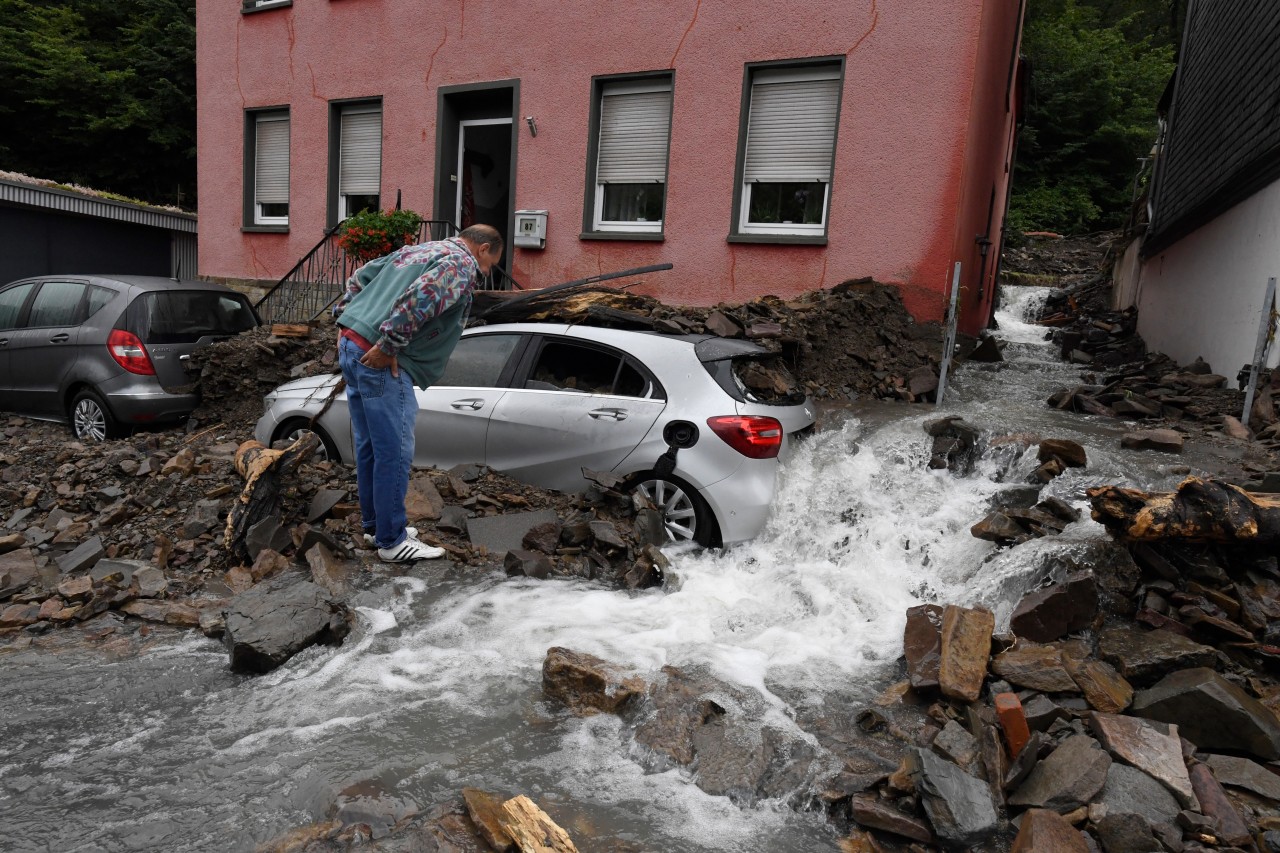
{"x": 1203, "y": 295}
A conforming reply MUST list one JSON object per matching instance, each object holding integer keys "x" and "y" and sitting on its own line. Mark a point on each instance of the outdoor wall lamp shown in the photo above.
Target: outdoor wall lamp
{"x": 533, "y": 125}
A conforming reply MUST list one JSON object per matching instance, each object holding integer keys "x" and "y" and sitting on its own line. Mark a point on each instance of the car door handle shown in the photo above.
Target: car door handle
{"x": 472, "y": 404}
{"x": 4, "y": 342}
{"x": 60, "y": 339}
{"x": 615, "y": 414}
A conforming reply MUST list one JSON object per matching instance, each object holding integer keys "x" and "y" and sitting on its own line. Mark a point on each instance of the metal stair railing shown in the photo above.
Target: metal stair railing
{"x": 312, "y": 285}
{"x": 320, "y": 277}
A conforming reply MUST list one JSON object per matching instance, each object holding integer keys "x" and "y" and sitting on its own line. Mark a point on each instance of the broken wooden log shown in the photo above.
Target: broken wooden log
{"x": 262, "y": 469}
{"x": 532, "y": 829}
{"x": 1199, "y": 511}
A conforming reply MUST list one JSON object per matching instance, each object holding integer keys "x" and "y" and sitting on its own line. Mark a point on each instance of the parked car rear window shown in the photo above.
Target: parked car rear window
{"x": 477, "y": 361}
{"x": 11, "y": 301}
{"x": 56, "y": 304}
{"x": 185, "y": 316}
{"x": 98, "y": 298}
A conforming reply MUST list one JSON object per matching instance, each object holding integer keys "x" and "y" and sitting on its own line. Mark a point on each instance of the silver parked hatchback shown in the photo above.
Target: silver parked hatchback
{"x": 105, "y": 352}
{"x": 540, "y": 402}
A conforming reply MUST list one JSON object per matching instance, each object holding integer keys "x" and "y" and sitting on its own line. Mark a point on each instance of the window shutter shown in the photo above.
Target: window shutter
{"x": 360, "y": 169}
{"x": 634, "y": 129}
{"x": 272, "y": 177}
{"x": 791, "y": 131}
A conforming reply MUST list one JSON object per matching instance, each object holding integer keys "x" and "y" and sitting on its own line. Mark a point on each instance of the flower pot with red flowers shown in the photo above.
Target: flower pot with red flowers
{"x": 371, "y": 234}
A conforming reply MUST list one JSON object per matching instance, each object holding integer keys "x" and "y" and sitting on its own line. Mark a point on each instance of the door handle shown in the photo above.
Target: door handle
{"x": 60, "y": 339}
{"x": 4, "y": 342}
{"x": 615, "y": 414}
{"x": 472, "y": 404}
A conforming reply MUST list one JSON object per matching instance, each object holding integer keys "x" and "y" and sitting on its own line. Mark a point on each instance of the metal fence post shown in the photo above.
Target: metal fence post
{"x": 1260, "y": 348}
{"x": 949, "y": 339}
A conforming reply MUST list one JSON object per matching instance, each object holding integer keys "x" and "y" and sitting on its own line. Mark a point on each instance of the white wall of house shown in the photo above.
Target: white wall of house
{"x": 1203, "y": 295}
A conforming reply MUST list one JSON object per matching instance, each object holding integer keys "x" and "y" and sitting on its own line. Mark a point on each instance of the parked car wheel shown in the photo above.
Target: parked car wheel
{"x": 291, "y": 430}
{"x": 685, "y": 514}
{"x": 91, "y": 420}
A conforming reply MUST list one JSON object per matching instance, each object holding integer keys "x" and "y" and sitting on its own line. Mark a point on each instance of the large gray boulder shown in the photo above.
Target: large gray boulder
{"x": 1070, "y": 777}
{"x": 724, "y": 734}
{"x": 1144, "y": 656}
{"x": 1130, "y": 791}
{"x": 1211, "y": 712}
{"x": 1047, "y": 614}
{"x": 958, "y": 805}
{"x": 1153, "y": 748}
{"x": 273, "y": 621}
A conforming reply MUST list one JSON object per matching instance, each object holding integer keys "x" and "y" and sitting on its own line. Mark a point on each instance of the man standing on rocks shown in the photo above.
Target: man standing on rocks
{"x": 399, "y": 320}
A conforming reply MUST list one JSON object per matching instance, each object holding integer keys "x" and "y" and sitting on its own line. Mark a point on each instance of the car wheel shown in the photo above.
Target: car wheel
{"x": 91, "y": 420}
{"x": 685, "y": 515}
{"x": 292, "y": 429}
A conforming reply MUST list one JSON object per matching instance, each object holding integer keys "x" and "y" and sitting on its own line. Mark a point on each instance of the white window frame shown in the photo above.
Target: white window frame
{"x": 634, "y": 87}
{"x": 343, "y": 112}
{"x": 783, "y": 76}
{"x": 259, "y": 218}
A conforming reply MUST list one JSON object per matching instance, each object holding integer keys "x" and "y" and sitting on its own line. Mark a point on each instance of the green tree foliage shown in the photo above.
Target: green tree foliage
{"x": 101, "y": 94}
{"x": 1098, "y": 70}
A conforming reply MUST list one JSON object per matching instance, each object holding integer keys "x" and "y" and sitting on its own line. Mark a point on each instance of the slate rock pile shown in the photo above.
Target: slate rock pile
{"x": 1131, "y": 706}
{"x": 110, "y": 537}
{"x": 235, "y": 374}
{"x": 1080, "y": 731}
{"x": 1054, "y": 259}
{"x": 1128, "y": 382}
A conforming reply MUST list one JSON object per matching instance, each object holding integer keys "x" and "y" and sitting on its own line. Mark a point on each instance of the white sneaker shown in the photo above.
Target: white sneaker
{"x": 411, "y": 532}
{"x": 408, "y": 551}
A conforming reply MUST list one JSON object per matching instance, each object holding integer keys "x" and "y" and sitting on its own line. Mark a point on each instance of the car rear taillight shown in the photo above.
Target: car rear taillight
{"x": 753, "y": 436}
{"x": 129, "y": 352}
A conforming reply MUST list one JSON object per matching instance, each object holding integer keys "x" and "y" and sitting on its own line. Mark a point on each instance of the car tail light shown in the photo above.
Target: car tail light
{"x": 753, "y": 436}
{"x": 129, "y": 352}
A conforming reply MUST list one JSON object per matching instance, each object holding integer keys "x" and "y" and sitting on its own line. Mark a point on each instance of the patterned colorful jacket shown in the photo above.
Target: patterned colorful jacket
{"x": 412, "y": 304}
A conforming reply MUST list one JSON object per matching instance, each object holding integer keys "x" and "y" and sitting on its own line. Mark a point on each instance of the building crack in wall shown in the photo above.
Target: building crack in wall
{"x": 431, "y": 63}
{"x": 875, "y": 19}
{"x": 315, "y": 93}
{"x": 293, "y": 38}
{"x": 696, "y": 7}
{"x": 822, "y": 277}
{"x": 244, "y": 102}
{"x": 733, "y": 268}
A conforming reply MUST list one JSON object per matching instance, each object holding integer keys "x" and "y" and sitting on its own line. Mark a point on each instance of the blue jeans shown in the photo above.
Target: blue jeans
{"x": 383, "y": 409}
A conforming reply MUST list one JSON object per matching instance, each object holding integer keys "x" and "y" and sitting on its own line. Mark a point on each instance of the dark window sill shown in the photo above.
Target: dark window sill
{"x": 632, "y": 236}
{"x": 249, "y": 10}
{"x": 779, "y": 239}
{"x": 264, "y": 229}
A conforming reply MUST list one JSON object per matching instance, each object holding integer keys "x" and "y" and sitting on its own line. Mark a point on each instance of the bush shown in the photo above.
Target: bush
{"x": 1091, "y": 116}
{"x": 371, "y": 234}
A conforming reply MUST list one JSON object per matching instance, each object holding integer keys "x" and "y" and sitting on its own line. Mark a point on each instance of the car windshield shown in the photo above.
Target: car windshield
{"x": 186, "y": 316}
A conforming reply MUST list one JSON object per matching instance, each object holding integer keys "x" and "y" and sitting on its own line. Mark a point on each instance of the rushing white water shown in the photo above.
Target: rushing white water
{"x": 439, "y": 687}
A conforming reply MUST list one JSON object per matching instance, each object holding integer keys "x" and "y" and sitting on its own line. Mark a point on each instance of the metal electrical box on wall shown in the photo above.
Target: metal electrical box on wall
{"x": 531, "y": 229}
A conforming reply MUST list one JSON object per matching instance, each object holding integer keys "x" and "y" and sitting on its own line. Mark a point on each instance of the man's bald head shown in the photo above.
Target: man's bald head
{"x": 485, "y": 244}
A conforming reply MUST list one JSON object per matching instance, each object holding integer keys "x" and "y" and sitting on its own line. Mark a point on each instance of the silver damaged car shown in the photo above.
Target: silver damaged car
{"x": 542, "y": 402}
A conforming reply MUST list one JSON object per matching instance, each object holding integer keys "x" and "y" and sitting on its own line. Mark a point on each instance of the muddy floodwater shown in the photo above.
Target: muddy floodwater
{"x": 154, "y": 745}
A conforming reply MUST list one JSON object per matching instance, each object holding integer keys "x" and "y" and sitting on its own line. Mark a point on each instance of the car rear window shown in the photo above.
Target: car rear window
{"x": 749, "y": 372}
{"x": 186, "y": 316}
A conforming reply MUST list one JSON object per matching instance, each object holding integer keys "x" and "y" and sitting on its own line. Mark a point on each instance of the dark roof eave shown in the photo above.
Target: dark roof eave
{"x": 66, "y": 201}
{"x": 1252, "y": 178}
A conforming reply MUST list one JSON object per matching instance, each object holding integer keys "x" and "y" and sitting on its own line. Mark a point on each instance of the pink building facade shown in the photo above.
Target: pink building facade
{"x": 761, "y": 148}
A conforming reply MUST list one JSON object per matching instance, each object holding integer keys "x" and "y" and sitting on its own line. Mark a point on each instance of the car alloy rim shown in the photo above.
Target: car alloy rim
{"x": 321, "y": 452}
{"x": 679, "y": 515}
{"x": 90, "y": 421}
